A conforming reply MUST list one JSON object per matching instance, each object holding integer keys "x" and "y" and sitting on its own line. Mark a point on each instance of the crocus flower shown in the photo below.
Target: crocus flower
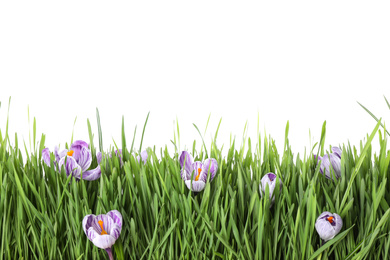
{"x": 103, "y": 230}
{"x": 328, "y": 225}
{"x": 198, "y": 170}
{"x": 270, "y": 180}
{"x": 78, "y": 159}
{"x": 327, "y": 160}
{"x": 144, "y": 156}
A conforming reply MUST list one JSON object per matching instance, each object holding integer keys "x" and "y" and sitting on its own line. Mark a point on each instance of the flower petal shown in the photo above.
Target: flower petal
{"x": 337, "y": 151}
{"x": 104, "y": 241}
{"x": 85, "y": 159}
{"x": 108, "y": 222}
{"x": 46, "y": 156}
{"x": 76, "y": 148}
{"x": 209, "y": 164}
{"x": 339, "y": 223}
{"x": 196, "y": 166}
{"x": 71, "y": 166}
{"x": 88, "y": 222}
{"x": 116, "y": 216}
{"x": 335, "y": 161}
{"x": 99, "y": 157}
{"x": 336, "y": 164}
{"x": 92, "y": 175}
{"x": 196, "y": 185}
{"x": 186, "y": 160}
{"x": 59, "y": 155}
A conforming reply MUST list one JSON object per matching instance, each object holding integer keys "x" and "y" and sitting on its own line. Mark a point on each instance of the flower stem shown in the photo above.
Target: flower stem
{"x": 109, "y": 252}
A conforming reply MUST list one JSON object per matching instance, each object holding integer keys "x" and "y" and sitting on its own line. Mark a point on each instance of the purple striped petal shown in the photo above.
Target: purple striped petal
{"x": 209, "y": 164}
{"x": 186, "y": 160}
{"x": 104, "y": 241}
{"x": 99, "y": 157}
{"x": 196, "y": 185}
{"x": 92, "y": 175}
{"x": 46, "y": 156}
{"x": 116, "y": 216}
{"x": 85, "y": 159}
{"x": 336, "y": 164}
{"x": 337, "y": 151}
{"x": 327, "y": 230}
{"x": 197, "y": 166}
{"x": 59, "y": 155}
{"x": 71, "y": 166}
{"x": 76, "y": 148}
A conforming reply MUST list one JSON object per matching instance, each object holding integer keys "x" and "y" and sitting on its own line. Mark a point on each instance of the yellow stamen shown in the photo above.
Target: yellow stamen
{"x": 330, "y": 219}
{"x": 70, "y": 153}
{"x": 197, "y": 176}
{"x": 101, "y": 225}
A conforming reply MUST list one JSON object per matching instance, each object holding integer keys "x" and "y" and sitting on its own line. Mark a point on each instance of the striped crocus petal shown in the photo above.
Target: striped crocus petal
{"x": 335, "y": 161}
{"x": 330, "y": 160}
{"x": 196, "y": 185}
{"x": 46, "y": 156}
{"x": 84, "y": 159}
{"x": 71, "y": 166}
{"x": 99, "y": 157}
{"x": 186, "y": 161}
{"x": 59, "y": 155}
{"x": 337, "y": 151}
{"x": 210, "y": 165}
{"x": 76, "y": 147}
{"x": 103, "y": 230}
{"x": 198, "y": 167}
{"x": 92, "y": 175}
{"x": 328, "y": 225}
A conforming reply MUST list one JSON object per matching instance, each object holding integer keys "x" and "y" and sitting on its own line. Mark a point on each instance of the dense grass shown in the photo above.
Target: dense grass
{"x": 41, "y": 210}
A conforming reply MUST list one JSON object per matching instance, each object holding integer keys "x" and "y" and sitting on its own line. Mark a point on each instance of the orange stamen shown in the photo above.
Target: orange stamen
{"x": 101, "y": 225}
{"x": 330, "y": 219}
{"x": 197, "y": 176}
{"x": 70, "y": 153}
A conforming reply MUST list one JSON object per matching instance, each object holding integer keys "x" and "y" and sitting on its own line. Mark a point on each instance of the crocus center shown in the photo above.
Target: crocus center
{"x": 330, "y": 219}
{"x": 197, "y": 176}
{"x": 101, "y": 225}
{"x": 70, "y": 153}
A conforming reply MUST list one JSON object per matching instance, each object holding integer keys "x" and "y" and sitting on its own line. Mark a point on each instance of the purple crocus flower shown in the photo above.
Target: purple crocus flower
{"x": 198, "y": 169}
{"x": 144, "y": 156}
{"x": 328, "y": 225}
{"x": 103, "y": 230}
{"x": 78, "y": 159}
{"x": 270, "y": 180}
{"x": 327, "y": 160}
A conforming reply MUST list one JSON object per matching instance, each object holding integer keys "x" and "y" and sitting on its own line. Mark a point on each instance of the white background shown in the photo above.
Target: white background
{"x": 302, "y": 61}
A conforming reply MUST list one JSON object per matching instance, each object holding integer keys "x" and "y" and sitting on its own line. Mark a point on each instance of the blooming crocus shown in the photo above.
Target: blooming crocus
{"x": 78, "y": 159}
{"x": 270, "y": 180}
{"x": 144, "y": 156}
{"x": 328, "y": 225}
{"x": 103, "y": 230}
{"x": 328, "y": 160}
{"x": 198, "y": 170}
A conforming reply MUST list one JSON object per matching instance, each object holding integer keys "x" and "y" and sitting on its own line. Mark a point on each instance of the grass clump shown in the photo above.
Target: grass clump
{"x": 41, "y": 210}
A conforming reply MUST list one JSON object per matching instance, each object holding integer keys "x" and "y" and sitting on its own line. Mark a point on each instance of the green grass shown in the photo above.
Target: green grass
{"x": 41, "y": 210}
